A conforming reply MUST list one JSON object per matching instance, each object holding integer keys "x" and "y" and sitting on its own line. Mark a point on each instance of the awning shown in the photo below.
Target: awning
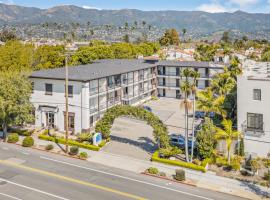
{"x": 48, "y": 109}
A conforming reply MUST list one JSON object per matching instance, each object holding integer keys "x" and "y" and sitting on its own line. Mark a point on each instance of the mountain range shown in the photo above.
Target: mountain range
{"x": 196, "y": 21}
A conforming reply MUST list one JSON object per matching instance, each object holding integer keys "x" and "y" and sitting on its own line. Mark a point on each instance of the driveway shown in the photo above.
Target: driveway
{"x": 171, "y": 113}
{"x": 131, "y": 137}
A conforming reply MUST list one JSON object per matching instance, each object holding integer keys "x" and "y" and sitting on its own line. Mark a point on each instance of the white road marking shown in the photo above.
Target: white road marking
{"x": 33, "y": 189}
{"x": 126, "y": 178}
{"x": 9, "y": 196}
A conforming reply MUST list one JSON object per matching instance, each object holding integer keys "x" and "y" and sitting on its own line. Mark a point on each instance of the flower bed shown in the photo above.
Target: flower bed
{"x": 156, "y": 158}
{"x": 70, "y": 142}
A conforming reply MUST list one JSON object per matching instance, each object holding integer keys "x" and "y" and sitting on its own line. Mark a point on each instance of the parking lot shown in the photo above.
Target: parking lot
{"x": 134, "y": 138}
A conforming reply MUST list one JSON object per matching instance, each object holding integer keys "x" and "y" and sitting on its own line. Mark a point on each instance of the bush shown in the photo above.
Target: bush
{"x": 102, "y": 144}
{"x": 221, "y": 161}
{"x": 152, "y": 170}
{"x": 180, "y": 175}
{"x": 84, "y": 137}
{"x": 163, "y": 174}
{"x": 196, "y": 162}
{"x": 266, "y": 176}
{"x": 255, "y": 165}
{"x": 49, "y": 147}
{"x": 266, "y": 162}
{"x": 70, "y": 142}
{"x": 83, "y": 155}
{"x": 23, "y": 132}
{"x": 155, "y": 157}
{"x": 168, "y": 152}
{"x": 28, "y": 141}
{"x": 74, "y": 150}
{"x": 13, "y": 138}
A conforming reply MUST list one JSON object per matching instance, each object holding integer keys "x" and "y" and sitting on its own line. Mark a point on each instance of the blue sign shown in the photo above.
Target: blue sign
{"x": 97, "y": 139}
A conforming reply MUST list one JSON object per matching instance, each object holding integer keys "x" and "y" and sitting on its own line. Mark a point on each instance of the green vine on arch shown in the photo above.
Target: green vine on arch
{"x": 160, "y": 131}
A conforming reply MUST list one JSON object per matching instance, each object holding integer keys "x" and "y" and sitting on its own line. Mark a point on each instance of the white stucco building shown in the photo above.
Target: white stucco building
{"x": 253, "y": 101}
{"x": 96, "y": 87}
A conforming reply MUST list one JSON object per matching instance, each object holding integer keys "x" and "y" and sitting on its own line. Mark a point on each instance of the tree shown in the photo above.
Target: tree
{"x": 46, "y": 57}
{"x": 15, "y": 56}
{"x": 184, "y": 31}
{"x": 186, "y": 89}
{"x": 205, "y": 139}
{"x": 209, "y": 102}
{"x": 143, "y": 23}
{"x": 205, "y": 52}
{"x": 228, "y": 134}
{"x": 15, "y": 107}
{"x": 170, "y": 37}
{"x": 195, "y": 75}
{"x": 126, "y": 38}
{"x": 7, "y": 36}
{"x": 226, "y": 37}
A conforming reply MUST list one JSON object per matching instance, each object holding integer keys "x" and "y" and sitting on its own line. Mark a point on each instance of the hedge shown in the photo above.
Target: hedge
{"x": 156, "y": 158}
{"x": 160, "y": 131}
{"x": 70, "y": 142}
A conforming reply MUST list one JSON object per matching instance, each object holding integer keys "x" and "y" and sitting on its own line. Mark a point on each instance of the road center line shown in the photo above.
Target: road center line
{"x": 65, "y": 178}
{"x": 126, "y": 178}
{"x": 33, "y": 189}
{"x": 9, "y": 196}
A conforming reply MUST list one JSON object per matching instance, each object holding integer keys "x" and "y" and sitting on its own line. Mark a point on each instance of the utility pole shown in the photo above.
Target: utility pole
{"x": 66, "y": 94}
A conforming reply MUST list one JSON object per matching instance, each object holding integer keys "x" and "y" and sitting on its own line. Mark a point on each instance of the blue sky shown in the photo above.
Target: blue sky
{"x": 204, "y": 5}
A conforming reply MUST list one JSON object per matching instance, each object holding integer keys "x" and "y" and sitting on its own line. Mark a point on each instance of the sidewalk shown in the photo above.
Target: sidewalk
{"x": 206, "y": 180}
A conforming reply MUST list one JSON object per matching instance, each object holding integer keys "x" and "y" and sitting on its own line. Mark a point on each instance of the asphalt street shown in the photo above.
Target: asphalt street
{"x": 27, "y": 174}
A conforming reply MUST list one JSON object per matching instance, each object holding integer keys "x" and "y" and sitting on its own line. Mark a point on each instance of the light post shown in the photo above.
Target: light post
{"x": 66, "y": 95}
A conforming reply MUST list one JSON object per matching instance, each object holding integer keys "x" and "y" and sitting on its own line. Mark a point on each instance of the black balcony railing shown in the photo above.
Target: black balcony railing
{"x": 252, "y": 131}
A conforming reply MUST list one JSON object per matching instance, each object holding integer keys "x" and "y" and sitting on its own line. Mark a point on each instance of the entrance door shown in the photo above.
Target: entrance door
{"x": 50, "y": 119}
{"x": 71, "y": 121}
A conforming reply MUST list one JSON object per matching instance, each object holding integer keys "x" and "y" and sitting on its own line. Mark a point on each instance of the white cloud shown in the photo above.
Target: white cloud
{"x": 8, "y": 2}
{"x": 212, "y": 8}
{"x": 91, "y": 7}
{"x": 243, "y": 3}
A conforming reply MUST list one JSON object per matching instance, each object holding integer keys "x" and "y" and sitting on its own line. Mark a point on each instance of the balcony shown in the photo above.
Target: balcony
{"x": 253, "y": 132}
{"x": 93, "y": 91}
{"x": 127, "y": 96}
{"x": 168, "y": 74}
{"x": 102, "y": 106}
{"x": 113, "y": 100}
{"x": 170, "y": 85}
{"x": 93, "y": 109}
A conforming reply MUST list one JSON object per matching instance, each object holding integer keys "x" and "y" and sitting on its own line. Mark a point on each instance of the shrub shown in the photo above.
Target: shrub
{"x": 28, "y": 141}
{"x": 23, "y": 132}
{"x": 49, "y": 147}
{"x": 83, "y": 155}
{"x": 159, "y": 129}
{"x": 221, "y": 161}
{"x": 13, "y": 138}
{"x": 155, "y": 157}
{"x": 255, "y": 165}
{"x": 102, "y": 144}
{"x": 45, "y": 132}
{"x": 266, "y": 176}
{"x": 152, "y": 170}
{"x": 196, "y": 162}
{"x": 266, "y": 162}
{"x": 180, "y": 175}
{"x": 154, "y": 98}
{"x": 163, "y": 174}
{"x": 84, "y": 137}
{"x": 74, "y": 150}
{"x": 70, "y": 142}
{"x": 168, "y": 152}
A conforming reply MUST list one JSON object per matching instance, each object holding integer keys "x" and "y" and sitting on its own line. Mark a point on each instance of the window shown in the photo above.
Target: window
{"x": 70, "y": 91}
{"x": 255, "y": 121}
{"x": 48, "y": 89}
{"x": 257, "y": 94}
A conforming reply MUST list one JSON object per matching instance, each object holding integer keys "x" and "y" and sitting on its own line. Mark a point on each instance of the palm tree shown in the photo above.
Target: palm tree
{"x": 209, "y": 102}
{"x": 186, "y": 89}
{"x": 228, "y": 134}
{"x": 195, "y": 75}
{"x": 184, "y": 31}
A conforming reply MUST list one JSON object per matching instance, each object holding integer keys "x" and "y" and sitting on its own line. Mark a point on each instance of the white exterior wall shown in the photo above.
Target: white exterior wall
{"x": 57, "y": 99}
{"x": 254, "y": 145}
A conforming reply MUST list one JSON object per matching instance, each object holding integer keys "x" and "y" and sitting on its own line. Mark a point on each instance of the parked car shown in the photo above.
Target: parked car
{"x": 179, "y": 141}
{"x": 147, "y": 108}
{"x": 202, "y": 114}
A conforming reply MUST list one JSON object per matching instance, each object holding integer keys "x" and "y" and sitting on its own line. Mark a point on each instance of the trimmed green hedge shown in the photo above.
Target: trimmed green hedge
{"x": 156, "y": 158}
{"x": 70, "y": 142}
{"x": 159, "y": 129}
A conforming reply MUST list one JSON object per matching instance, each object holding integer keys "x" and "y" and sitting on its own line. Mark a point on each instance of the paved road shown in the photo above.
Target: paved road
{"x": 27, "y": 174}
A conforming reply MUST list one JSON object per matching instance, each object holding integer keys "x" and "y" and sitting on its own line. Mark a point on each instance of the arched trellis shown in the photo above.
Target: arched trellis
{"x": 160, "y": 131}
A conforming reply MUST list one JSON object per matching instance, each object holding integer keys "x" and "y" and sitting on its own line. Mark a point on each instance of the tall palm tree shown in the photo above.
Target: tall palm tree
{"x": 209, "y": 102}
{"x": 186, "y": 89}
{"x": 229, "y": 134}
{"x": 195, "y": 75}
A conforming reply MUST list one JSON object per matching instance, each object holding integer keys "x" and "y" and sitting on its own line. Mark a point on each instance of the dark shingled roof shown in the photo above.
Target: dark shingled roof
{"x": 104, "y": 68}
